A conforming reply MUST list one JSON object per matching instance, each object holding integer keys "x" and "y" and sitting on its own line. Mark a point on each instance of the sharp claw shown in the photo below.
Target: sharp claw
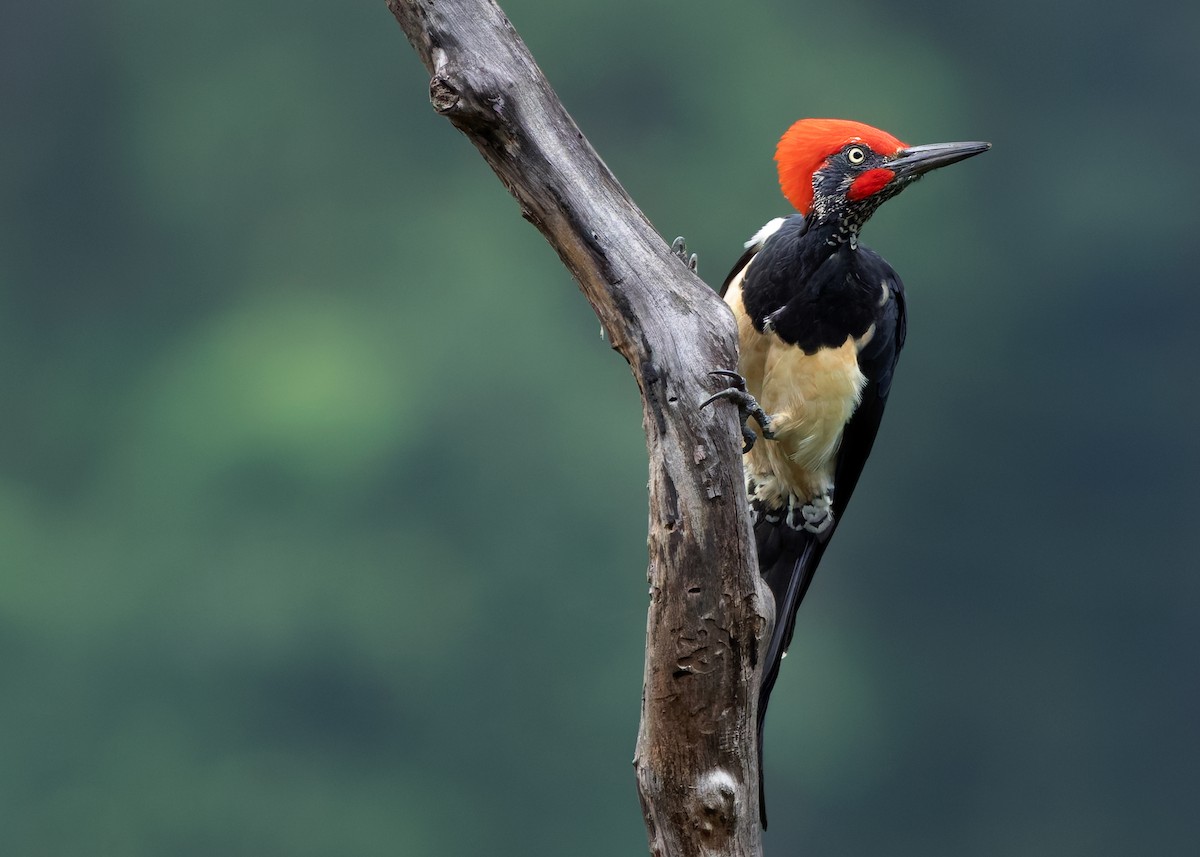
{"x": 749, "y": 438}
{"x": 738, "y": 381}
{"x": 729, "y": 393}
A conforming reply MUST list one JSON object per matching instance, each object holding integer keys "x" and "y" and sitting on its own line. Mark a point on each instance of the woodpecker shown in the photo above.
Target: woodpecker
{"x": 821, "y": 321}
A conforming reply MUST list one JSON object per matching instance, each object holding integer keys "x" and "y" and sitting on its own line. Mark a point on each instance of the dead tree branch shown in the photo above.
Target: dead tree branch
{"x": 695, "y": 760}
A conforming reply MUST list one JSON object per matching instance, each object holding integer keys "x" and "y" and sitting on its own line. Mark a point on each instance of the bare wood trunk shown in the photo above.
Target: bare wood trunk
{"x": 696, "y": 759}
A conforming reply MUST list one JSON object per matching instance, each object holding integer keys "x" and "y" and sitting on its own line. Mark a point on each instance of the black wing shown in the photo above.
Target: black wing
{"x": 878, "y": 362}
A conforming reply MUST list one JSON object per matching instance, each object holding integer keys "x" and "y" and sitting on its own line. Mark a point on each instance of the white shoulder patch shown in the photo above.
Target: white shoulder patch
{"x": 761, "y": 236}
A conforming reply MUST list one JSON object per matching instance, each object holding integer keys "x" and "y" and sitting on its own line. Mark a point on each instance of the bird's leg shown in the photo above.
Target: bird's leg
{"x": 679, "y": 248}
{"x": 747, "y": 407}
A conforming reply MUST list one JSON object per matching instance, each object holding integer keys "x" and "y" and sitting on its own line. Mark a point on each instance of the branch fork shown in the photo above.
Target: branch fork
{"x": 696, "y": 755}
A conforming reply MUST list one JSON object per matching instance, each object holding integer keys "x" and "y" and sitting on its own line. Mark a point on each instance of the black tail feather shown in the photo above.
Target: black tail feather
{"x": 788, "y": 559}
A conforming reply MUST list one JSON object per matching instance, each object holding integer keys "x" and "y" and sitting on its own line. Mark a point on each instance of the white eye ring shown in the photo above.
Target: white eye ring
{"x": 855, "y": 155}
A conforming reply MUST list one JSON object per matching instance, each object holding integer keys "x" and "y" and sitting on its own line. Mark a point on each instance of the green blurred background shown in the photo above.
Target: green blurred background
{"x": 322, "y": 502}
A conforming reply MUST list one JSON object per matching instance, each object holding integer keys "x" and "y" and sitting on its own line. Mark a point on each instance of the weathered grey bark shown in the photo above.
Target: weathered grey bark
{"x": 696, "y": 762}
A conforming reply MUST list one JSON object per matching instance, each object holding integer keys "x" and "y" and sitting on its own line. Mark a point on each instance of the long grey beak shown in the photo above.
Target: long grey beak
{"x": 918, "y": 160}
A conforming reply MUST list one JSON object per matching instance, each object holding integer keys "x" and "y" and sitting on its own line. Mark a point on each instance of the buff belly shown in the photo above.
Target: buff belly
{"x": 809, "y": 397}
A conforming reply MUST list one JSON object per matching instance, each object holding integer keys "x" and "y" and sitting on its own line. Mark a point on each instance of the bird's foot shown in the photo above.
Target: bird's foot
{"x": 679, "y": 248}
{"x": 747, "y": 407}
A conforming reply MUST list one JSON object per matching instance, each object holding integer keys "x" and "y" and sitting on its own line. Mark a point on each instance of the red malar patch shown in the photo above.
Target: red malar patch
{"x": 870, "y": 182}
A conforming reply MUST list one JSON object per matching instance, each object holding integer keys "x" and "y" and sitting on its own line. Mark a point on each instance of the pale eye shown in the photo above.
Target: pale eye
{"x": 855, "y": 155}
